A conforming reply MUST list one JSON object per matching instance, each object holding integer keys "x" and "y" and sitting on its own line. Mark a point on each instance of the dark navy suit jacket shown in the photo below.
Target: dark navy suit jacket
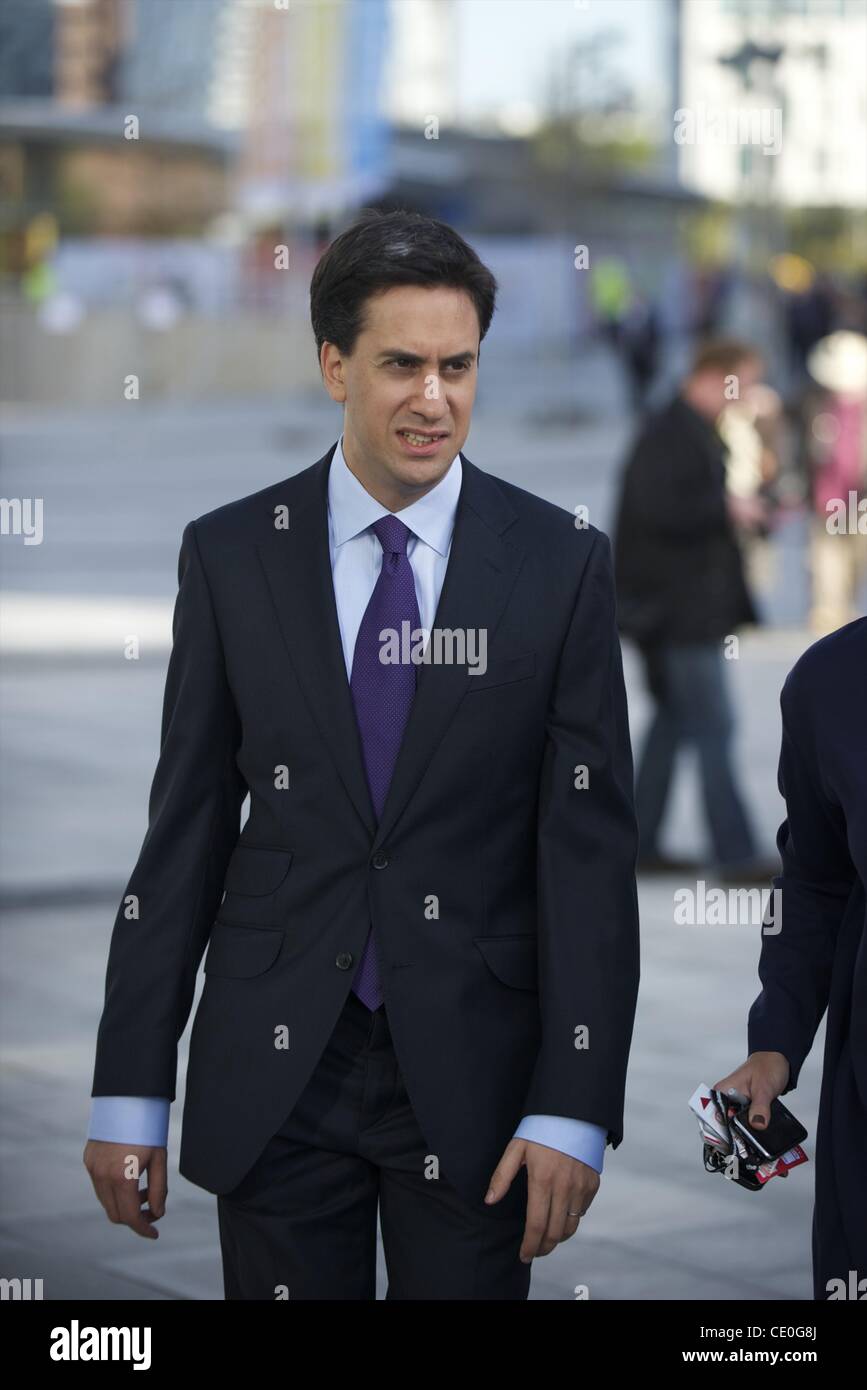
{"x": 818, "y": 959}
{"x": 511, "y": 802}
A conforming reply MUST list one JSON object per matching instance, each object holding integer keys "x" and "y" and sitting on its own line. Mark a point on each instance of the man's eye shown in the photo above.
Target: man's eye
{"x": 452, "y": 366}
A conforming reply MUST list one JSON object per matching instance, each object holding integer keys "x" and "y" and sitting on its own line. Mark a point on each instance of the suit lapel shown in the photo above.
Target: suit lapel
{"x": 480, "y": 574}
{"x": 297, "y": 564}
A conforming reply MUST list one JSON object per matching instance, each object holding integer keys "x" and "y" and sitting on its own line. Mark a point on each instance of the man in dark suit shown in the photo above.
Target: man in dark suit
{"x": 681, "y": 595}
{"x": 421, "y": 981}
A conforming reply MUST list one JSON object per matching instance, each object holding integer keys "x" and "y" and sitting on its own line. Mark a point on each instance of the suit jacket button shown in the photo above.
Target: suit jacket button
{"x": 344, "y": 960}
{"x": 379, "y": 860}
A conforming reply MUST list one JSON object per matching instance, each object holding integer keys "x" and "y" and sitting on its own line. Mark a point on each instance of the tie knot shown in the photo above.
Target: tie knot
{"x": 392, "y": 534}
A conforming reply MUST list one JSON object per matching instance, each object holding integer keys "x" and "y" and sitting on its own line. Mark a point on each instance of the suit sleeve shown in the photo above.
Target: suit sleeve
{"x": 164, "y": 919}
{"x": 800, "y": 935}
{"x": 587, "y": 846}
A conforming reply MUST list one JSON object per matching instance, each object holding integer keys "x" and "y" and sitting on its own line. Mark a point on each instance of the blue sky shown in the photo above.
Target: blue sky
{"x": 505, "y": 46}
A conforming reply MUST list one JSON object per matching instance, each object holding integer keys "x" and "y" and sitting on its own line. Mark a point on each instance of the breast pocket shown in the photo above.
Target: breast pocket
{"x": 503, "y": 670}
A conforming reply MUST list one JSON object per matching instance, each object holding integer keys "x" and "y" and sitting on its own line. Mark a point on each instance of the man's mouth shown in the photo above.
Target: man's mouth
{"x": 420, "y": 437}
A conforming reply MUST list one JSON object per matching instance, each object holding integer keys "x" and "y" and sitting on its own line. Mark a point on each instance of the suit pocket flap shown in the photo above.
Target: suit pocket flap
{"x": 504, "y": 670}
{"x": 241, "y": 951}
{"x": 257, "y": 869}
{"x": 513, "y": 959}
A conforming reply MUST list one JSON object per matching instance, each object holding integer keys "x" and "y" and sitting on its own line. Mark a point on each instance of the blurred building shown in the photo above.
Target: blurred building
{"x": 155, "y": 157}
{"x": 27, "y": 48}
{"x": 100, "y": 129}
{"x": 316, "y": 137}
{"x": 169, "y": 58}
{"x": 227, "y": 101}
{"x": 80, "y": 168}
{"x": 88, "y": 39}
{"x": 421, "y": 72}
{"x": 803, "y": 59}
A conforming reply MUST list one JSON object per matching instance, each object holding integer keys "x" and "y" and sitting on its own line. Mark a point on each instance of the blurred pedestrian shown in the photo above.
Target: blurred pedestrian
{"x": 610, "y": 296}
{"x": 712, "y": 287}
{"x": 639, "y": 345}
{"x": 681, "y": 593}
{"x": 834, "y": 458}
{"x": 751, "y": 429}
{"x": 809, "y": 317}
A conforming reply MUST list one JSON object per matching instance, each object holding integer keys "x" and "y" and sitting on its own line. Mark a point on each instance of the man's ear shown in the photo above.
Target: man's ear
{"x": 335, "y": 388}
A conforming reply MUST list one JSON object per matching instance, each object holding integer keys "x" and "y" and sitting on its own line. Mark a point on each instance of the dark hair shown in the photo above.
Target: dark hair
{"x": 723, "y": 354}
{"x": 383, "y": 249}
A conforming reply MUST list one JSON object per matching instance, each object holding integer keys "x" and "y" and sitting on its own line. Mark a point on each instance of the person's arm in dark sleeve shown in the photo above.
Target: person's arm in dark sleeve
{"x": 587, "y": 844}
{"x": 818, "y": 876}
{"x": 165, "y": 917}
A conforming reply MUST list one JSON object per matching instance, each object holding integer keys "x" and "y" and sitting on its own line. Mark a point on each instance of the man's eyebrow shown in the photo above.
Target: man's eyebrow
{"x": 467, "y": 356}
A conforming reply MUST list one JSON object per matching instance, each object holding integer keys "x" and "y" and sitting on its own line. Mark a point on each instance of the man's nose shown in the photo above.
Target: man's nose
{"x": 429, "y": 400}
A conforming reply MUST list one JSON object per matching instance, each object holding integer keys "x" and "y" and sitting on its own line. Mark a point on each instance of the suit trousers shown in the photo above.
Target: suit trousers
{"x": 301, "y": 1224}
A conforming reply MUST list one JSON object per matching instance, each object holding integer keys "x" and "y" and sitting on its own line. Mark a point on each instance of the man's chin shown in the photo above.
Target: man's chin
{"x": 419, "y": 472}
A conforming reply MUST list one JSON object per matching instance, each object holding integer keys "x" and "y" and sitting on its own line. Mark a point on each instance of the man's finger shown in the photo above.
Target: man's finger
{"x": 735, "y": 1081}
{"x": 505, "y": 1171}
{"x": 538, "y": 1207}
{"x": 104, "y": 1189}
{"x": 129, "y": 1209}
{"x": 157, "y": 1182}
{"x": 560, "y": 1224}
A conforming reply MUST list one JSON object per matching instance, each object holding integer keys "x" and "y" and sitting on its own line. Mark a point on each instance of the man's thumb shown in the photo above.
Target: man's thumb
{"x": 760, "y": 1107}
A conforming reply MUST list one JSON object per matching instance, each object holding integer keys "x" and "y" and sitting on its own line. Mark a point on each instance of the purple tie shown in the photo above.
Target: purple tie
{"x": 383, "y": 693}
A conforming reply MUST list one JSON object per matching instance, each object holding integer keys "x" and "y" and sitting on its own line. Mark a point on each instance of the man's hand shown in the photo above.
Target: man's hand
{"x": 556, "y": 1185}
{"x": 111, "y": 1168}
{"x": 761, "y": 1078}
{"x": 751, "y": 513}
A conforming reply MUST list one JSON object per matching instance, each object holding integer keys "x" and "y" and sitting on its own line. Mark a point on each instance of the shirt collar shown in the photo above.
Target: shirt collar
{"x": 352, "y": 509}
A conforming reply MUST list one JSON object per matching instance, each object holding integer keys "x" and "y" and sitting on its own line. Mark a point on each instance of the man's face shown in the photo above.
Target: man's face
{"x": 711, "y": 390}
{"x": 408, "y": 389}
{"x": 749, "y": 373}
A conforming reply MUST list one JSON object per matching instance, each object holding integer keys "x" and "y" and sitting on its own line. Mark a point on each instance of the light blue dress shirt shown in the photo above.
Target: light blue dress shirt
{"x": 356, "y": 559}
